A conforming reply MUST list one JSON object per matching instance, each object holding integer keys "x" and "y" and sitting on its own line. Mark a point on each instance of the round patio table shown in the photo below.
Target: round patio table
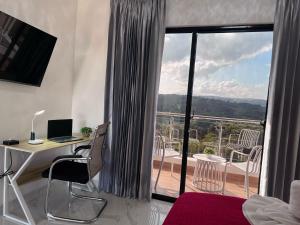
{"x": 209, "y": 173}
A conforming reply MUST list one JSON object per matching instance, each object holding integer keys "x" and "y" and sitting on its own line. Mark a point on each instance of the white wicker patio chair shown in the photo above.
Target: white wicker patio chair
{"x": 251, "y": 166}
{"x": 161, "y": 153}
{"x": 247, "y": 138}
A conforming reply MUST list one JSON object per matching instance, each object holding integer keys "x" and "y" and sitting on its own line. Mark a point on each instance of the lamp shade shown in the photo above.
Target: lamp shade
{"x": 39, "y": 113}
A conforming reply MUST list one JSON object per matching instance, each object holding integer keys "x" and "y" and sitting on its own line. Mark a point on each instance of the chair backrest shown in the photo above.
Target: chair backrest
{"x": 248, "y": 138}
{"x": 174, "y": 134}
{"x": 254, "y": 159}
{"x": 194, "y": 133}
{"x": 159, "y": 145}
{"x": 95, "y": 163}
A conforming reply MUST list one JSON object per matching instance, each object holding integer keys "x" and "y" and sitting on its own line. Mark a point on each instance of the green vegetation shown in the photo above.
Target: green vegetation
{"x": 209, "y": 150}
{"x": 214, "y": 106}
{"x": 207, "y": 138}
{"x": 86, "y": 131}
{"x": 194, "y": 146}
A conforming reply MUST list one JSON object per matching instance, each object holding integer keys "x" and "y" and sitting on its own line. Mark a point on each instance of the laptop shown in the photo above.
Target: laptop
{"x": 60, "y": 131}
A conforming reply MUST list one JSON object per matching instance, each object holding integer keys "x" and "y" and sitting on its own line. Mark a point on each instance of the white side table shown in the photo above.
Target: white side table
{"x": 209, "y": 173}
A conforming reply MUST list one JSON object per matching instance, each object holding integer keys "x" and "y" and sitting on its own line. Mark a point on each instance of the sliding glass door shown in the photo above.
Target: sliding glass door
{"x": 212, "y": 102}
{"x": 171, "y": 109}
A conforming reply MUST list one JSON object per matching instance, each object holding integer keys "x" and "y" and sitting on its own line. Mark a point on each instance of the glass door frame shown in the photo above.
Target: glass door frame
{"x": 194, "y": 31}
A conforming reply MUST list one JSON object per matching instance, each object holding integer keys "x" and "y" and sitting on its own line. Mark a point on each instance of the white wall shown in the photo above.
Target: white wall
{"x": 19, "y": 102}
{"x": 90, "y": 62}
{"x": 219, "y": 12}
{"x": 92, "y": 32}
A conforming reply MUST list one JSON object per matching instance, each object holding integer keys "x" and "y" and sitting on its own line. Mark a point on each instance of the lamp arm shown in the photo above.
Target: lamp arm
{"x": 32, "y": 123}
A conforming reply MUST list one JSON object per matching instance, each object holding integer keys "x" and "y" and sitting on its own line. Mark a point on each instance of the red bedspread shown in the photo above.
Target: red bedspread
{"x": 206, "y": 209}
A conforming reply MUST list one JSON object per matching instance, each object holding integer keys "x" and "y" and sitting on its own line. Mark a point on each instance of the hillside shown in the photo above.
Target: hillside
{"x": 215, "y": 106}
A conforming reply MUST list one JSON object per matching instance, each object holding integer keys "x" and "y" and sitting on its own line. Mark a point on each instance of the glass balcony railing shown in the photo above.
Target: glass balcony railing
{"x": 209, "y": 135}
{"x": 212, "y": 133}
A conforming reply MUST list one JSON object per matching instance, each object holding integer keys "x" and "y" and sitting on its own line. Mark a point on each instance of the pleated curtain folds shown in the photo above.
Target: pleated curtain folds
{"x": 284, "y": 102}
{"x": 135, "y": 47}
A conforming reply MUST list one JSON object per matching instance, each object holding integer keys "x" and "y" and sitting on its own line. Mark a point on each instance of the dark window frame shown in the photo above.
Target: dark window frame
{"x": 221, "y": 29}
{"x": 194, "y": 31}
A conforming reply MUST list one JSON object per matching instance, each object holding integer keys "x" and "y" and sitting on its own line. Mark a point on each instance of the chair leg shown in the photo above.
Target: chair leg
{"x": 158, "y": 175}
{"x": 93, "y": 186}
{"x": 47, "y": 196}
{"x": 224, "y": 179}
{"x": 70, "y": 187}
{"x": 89, "y": 187}
{"x": 70, "y": 196}
{"x": 247, "y": 184}
{"x": 195, "y": 174}
{"x": 66, "y": 219}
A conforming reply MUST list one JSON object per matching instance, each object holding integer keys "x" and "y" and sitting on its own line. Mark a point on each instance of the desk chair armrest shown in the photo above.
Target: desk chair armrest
{"x": 237, "y": 152}
{"x": 66, "y": 156}
{"x": 80, "y": 148}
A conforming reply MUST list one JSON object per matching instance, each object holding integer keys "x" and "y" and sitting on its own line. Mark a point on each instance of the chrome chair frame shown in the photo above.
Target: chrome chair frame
{"x": 90, "y": 174}
{"x": 66, "y": 219}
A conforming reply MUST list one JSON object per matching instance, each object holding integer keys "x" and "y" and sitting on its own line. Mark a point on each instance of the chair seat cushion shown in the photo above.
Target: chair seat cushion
{"x": 69, "y": 171}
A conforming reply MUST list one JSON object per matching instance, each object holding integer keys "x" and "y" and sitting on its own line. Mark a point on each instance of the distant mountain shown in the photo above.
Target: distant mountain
{"x": 215, "y": 106}
{"x": 252, "y": 101}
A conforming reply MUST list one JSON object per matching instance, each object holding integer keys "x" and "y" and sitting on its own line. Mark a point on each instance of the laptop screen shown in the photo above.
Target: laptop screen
{"x": 59, "y": 128}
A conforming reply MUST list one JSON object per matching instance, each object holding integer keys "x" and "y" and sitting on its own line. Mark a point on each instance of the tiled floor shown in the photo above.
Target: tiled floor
{"x": 169, "y": 184}
{"x": 119, "y": 211}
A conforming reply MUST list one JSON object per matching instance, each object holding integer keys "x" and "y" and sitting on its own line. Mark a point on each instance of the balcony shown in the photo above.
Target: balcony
{"x": 208, "y": 135}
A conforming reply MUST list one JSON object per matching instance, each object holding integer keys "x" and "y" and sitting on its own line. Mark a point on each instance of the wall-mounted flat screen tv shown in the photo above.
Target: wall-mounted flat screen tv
{"x": 25, "y": 51}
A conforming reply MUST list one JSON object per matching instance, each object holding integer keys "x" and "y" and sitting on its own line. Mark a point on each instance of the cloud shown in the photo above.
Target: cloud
{"x": 230, "y": 88}
{"x": 177, "y": 47}
{"x": 176, "y": 69}
{"x": 222, "y": 50}
{"x": 214, "y": 53}
{"x": 231, "y": 46}
{"x": 211, "y": 87}
{"x": 174, "y": 77}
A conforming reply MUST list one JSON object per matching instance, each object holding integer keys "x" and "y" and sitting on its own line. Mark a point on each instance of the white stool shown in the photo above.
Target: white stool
{"x": 209, "y": 173}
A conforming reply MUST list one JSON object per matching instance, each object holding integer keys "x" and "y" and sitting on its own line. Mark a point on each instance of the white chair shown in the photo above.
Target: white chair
{"x": 173, "y": 139}
{"x": 67, "y": 168}
{"x": 247, "y": 138}
{"x": 161, "y": 153}
{"x": 249, "y": 167}
{"x": 194, "y": 133}
{"x": 175, "y": 134}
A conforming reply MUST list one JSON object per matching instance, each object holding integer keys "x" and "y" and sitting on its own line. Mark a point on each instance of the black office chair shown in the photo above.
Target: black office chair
{"x": 64, "y": 168}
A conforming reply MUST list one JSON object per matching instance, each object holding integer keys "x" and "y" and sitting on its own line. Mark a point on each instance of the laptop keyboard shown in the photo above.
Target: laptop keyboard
{"x": 65, "y": 139}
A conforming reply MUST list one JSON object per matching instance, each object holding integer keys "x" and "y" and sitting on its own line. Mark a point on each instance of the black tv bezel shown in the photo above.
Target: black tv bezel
{"x": 43, "y": 76}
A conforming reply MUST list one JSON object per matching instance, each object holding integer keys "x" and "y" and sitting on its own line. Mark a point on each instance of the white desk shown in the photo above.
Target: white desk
{"x": 32, "y": 150}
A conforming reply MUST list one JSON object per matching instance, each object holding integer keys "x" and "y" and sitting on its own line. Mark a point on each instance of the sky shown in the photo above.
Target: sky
{"x": 234, "y": 65}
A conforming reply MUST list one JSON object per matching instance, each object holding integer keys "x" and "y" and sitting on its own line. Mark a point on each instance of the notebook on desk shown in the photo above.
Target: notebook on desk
{"x": 61, "y": 131}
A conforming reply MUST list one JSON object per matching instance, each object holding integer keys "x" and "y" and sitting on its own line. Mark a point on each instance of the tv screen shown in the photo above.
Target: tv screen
{"x": 25, "y": 51}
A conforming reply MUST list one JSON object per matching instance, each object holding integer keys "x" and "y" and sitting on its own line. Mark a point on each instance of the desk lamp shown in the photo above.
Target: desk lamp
{"x": 32, "y": 140}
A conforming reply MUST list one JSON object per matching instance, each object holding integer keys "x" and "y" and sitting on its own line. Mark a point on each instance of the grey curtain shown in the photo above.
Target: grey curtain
{"x": 136, "y": 37}
{"x": 284, "y": 102}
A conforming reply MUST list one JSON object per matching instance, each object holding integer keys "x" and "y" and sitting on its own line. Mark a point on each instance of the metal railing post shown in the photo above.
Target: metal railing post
{"x": 220, "y": 136}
